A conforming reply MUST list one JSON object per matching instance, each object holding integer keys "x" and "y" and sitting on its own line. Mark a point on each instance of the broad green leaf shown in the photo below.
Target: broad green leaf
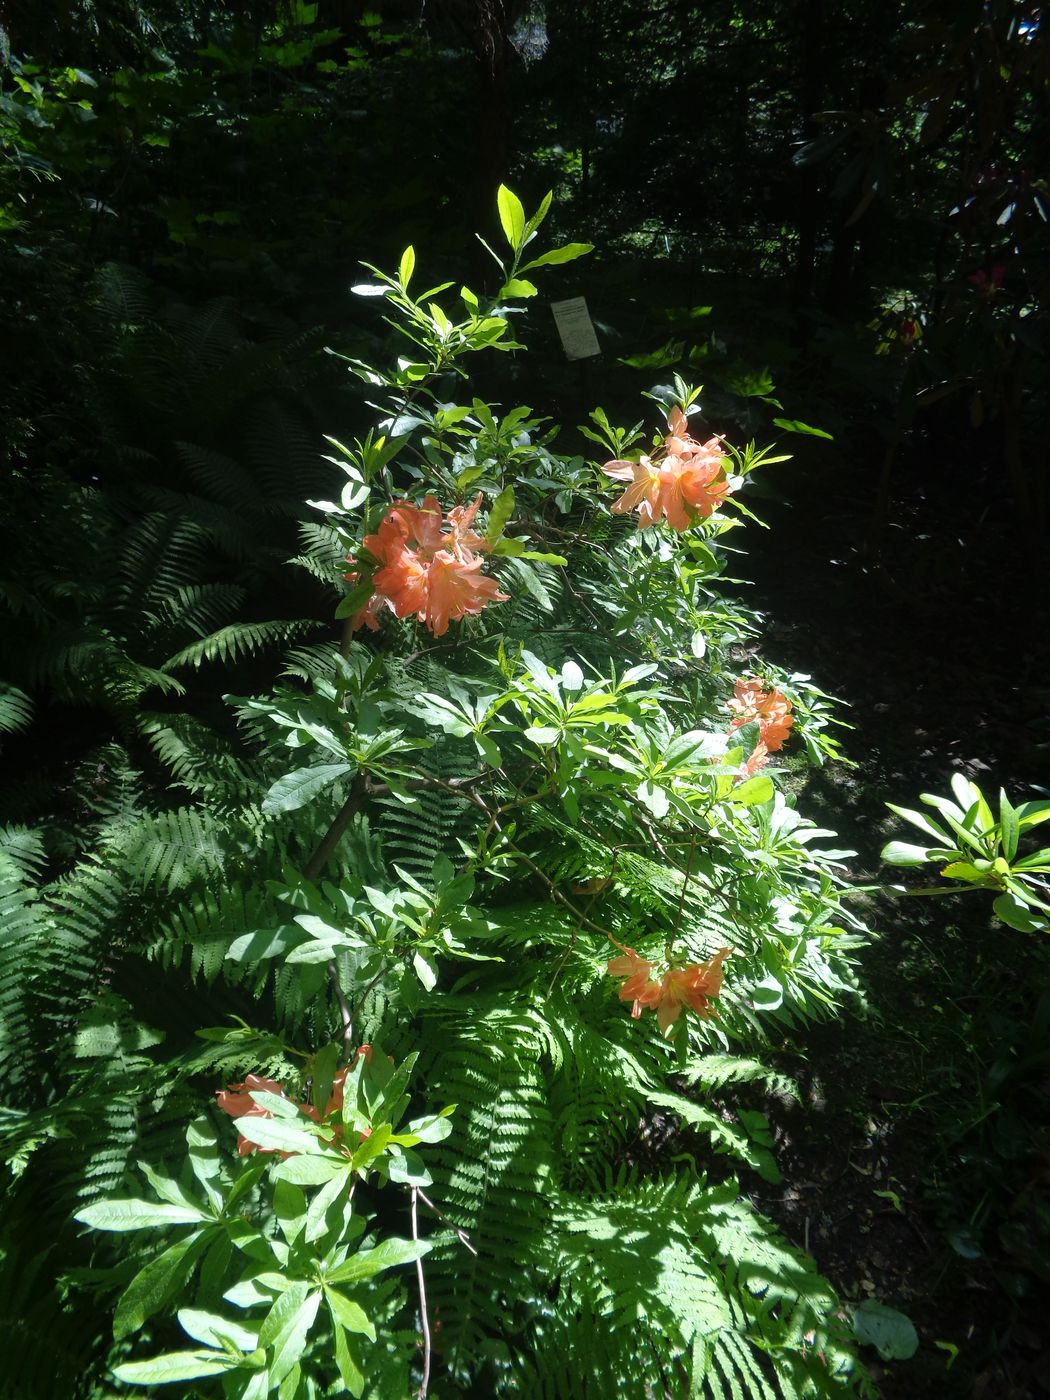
{"x": 407, "y": 266}
{"x": 348, "y": 1314}
{"x": 501, "y": 511}
{"x": 157, "y": 1283}
{"x": 369, "y": 1262}
{"x": 279, "y": 1134}
{"x": 890, "y": 1332}
{"x": 753, "y": 791}
{"x": 511, "y": 216}
{"x": 175, "y": 1367}
{"x": 287, "y": 1326}
{"x": 425, "y": 971}
{"x": 520, "y": 287}
{"x": 137, "y": 1215}
{"x": 568, "y": 253}
{"x": 217, "y": 1331}
{"x": 1009, "y": 825}
{"x": 296, "y": 789}
{"x": 963, "y": 870}
{"x": 902, "y": 853}
{"x": 923, "y": 822}
{"x": 1013, "y": 913}
{"x": 311, "y": 1171}
{"x": 1032, "y": 813}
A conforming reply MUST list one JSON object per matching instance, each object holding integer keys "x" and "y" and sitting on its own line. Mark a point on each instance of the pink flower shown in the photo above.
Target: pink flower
{"x": 639, "y": 987}
{"x": 238, "y": 1103}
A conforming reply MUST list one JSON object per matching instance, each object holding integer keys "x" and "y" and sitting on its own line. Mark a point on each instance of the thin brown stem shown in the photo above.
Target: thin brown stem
{"x": 464, "y": 1238}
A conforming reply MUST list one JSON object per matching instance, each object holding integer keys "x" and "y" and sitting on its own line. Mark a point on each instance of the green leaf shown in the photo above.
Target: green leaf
{"x": 568, "y": 253}
{"x": 519, "y": 287}
{"x": 136, "y": 1215}
{"x": 154, "y": 1286}
{"x": 407, "y": 267}
{"x": 216, "y": 1331}
{"x": 903, "y": 853}
{"x": 296, "y": 789}
{"x": 792, "y": 425}
{"x": 501, "y": 511}
{"x": 1009, "y": 824}
{"x": 754, "y": 790}
{"x": 287, "y": 1326}
{"x": 369, "y": 1262}
{"x": 1013, "y": 913}
{"x": 278, "y": 1134}
{"x": 1032, "y": 813}
{"x": 349, "y": 1315}
{"x": 174, "y": 1367}
{"x": 890, "y": 1332}
{"x": 311, "y": 1171}
{"x": 425, "y": 971}
{"x": 511, "y": 216}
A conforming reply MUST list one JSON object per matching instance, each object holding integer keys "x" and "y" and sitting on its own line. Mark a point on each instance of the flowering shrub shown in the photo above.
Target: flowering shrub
{"x": 450, "y": 841}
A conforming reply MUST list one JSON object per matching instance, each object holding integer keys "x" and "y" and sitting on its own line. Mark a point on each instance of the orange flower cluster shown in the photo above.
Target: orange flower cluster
{"x": 236, "y": 1100}
{"x": 683, "y": 484}
{"x": 771, "y": 709}
{"x": 694, "y": 986}
{"x": 424, "y": 571}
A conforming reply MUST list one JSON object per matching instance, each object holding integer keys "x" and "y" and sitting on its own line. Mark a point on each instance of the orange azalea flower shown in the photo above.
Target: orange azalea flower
{"x": 770, "y": 708}
{"x": 687, "y": 483}
{"x": 425, "y": 572}
{"x": 238, "y": 1103}
{"x": 639, "y": 988}
{"x": 694, "y": 986}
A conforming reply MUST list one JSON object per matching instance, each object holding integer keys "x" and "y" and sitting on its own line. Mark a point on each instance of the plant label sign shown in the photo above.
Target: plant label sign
{"x": 575, "y": 329}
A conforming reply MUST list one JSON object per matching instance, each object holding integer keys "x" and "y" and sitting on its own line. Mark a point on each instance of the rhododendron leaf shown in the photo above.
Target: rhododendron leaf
{"x": 349, "y": 1314}
{"x": 903, "y": 853}
{"x": 288, "y": 1335}
{"x": 571, "y": 676}
{"x": 753, "y": 791}
{"x": 322, "y": 1072}
{"x": 137, "y": 1215}
{"x": 511, "y": 216}
{"x": 520, "y": 287}
{"x": 350, "y": 1373}
{"x": 543, "y": 734}
{"x": 176, "y": 1366}
{"x": 923, "y": 822}
{"x": 653, "y": 797}
{"x": 311, "y": 1171}
{"x": 963, "y": 870}
{"x": 298, "y": 788}
{"x": 1009, "y": 825}
{"x": 1012, "y": 912}
{"x": 1032, "y": 813}
{"x": 500, "y": 512}
{"x": 217, "y": 1331}
{"x": 278, "y": 1134}
{"x": 407, "y": 266}
{"x": 154, "y": 1286}
{"x": 793, "y": 425}
{"x": 539, "y": 216}
{"x": 370, "y": 1262}
{"x": 567, "y": 253}
{"x": 425, "y": 971}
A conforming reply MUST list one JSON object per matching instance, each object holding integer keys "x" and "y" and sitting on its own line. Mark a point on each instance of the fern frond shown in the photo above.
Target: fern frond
{"x": 237, "y": 640}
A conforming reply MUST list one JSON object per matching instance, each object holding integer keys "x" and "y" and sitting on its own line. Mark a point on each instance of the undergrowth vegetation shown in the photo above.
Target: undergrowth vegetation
{"x": 458, "y": 909}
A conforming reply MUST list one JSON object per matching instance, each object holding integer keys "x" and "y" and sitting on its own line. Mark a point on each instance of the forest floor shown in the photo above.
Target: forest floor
{"x": 917, "y": 1169}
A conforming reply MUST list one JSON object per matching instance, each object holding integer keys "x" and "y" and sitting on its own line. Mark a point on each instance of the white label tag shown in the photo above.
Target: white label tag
{"x": 575, "y": 328}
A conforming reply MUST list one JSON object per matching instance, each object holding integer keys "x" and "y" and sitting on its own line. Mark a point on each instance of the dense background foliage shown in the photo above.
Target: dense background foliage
{"x": 832, "y": 214}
